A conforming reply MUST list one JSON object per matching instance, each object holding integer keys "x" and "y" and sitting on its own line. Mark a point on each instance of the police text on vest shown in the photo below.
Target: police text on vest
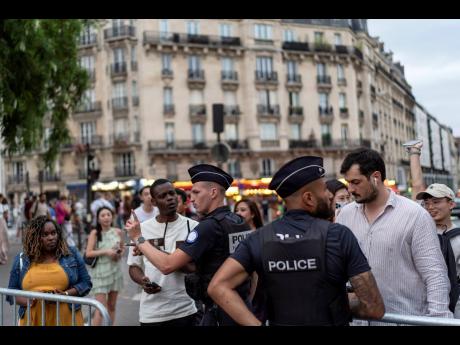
{"x": 293, "y": 265}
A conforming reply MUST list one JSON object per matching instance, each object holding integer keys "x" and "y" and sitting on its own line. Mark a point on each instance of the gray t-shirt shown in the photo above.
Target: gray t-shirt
{"x": 143, "y": 216}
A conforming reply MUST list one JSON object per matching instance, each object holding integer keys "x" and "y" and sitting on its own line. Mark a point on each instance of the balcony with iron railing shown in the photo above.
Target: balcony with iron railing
{"x": 86, "y": 41}
{"x": 296, "y": 46}
{"x": 195, "y": 78}
{"x": 324, "y": 81}
{"x": 326, "y": 114}
{"x": 266, "y": 143}
{"x": 197, "y": 113}
{"x": 156, "y": 38}
{"x": 295, "y": 114}
{"x": 120, "y": 32}
{"x": 266, "y": 77}
{"x": 88, "y": 107}
{"x": 268, "y": 111}
{"x": 168, "y": 109}
{"x": 120, "y": 103}
{"x": 51, "y": 177}
{"x": 167, "y": 73}
{"x": 231, "y": 113}
{"x": 16, "y": 179}
{"x": 343, "y": 111}
{"x": 293, "y": 81}
{"x": 118, "y": 69}
{"x": 238, "y": 144}
{"x": 125, "y": 171}
{"x": 93, "y": 140}
{"x": 229, "y": 80}
{"x": 176, "y": 146}
{"x": 121, "y": 139}
{"x": 342, "y": 81}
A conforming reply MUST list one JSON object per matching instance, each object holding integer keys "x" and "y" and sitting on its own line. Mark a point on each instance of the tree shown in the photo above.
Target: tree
{"x": 40, "y": 80}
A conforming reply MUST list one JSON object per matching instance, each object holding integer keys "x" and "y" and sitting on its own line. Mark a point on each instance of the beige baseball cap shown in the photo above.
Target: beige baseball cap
{"x": 436, "y": 190}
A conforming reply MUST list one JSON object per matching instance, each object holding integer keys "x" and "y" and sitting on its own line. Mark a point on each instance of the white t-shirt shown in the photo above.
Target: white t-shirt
{"x": 143, "y": 216}
{"x": 172, "y": 302}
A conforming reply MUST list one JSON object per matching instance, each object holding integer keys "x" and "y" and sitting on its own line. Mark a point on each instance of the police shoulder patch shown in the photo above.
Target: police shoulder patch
{"x": 192, "y": 236}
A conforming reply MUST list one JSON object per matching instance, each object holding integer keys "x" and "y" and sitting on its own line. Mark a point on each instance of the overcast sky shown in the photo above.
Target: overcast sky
{"x": 429, "y": 49}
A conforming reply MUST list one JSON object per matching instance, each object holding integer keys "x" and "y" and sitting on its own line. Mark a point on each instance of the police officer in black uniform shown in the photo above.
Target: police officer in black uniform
{"x": 303, "y": 261}
{"x": 208, "y": 245}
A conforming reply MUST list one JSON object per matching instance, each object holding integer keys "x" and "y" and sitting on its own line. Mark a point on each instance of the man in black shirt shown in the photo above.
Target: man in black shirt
{"x": 208, "y": 244}
{"x": 302, "y": 260}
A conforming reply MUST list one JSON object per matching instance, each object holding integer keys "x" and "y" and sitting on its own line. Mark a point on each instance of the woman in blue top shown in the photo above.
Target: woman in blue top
{"x": 48, "y": 264}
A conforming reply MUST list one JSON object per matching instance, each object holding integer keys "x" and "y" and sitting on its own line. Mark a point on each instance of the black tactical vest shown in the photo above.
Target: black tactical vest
{"x": 299, "y": 292}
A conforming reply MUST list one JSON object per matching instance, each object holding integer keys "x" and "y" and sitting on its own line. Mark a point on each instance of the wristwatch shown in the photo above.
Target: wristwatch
{"x": 140, "y": 240}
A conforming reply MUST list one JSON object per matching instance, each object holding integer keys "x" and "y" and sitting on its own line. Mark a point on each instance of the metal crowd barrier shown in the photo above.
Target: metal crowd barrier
{"x": 415, "y": 320}
{"x": 54, "y": 298}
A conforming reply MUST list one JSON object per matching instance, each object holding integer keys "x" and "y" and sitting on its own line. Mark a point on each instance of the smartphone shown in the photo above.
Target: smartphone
{"x": 337, "y": 205}
{"x": 412, "y": 143}
{"x": 130, "y": 244}
{"x": 152, "y": 285}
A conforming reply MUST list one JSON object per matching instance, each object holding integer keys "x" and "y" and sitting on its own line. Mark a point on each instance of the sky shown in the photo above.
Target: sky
{"x": 429, "y": 50}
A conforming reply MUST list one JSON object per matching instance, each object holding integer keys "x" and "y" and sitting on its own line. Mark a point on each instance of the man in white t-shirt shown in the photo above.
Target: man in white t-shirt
{"x": 169, "y": 304}
{"x": 146, "y": 211}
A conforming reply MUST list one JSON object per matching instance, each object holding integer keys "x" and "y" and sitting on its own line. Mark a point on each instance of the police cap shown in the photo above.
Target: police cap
{"x": 295, "y": 174}
{"x": 210, "y": 173}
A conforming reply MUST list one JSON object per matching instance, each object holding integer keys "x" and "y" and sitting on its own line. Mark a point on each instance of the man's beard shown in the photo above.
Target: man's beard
{"x": 371, "y": 197}
{"x": 323, "y": 210}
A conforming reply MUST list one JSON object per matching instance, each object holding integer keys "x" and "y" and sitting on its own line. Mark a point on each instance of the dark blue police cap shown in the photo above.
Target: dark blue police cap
{"x": 210, "y": 173}
{"x": 295, "y": 174}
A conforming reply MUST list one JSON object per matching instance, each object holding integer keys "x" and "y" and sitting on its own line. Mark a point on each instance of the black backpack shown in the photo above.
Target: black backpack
{"x": 451, "y": 264}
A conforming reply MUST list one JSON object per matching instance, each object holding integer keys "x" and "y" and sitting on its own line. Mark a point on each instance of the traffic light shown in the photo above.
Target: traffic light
{"x": 94, "y": 174}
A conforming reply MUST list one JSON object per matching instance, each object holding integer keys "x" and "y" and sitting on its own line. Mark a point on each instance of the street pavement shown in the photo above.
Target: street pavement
{"x": 127, "y": 313}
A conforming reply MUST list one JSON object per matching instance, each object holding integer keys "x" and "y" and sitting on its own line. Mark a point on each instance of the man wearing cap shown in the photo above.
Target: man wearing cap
{"x": 398, "y": 238}
{"x": 208, "y": 244}
{"x": 302, "y": 260}
{"x": 438, "y": 200}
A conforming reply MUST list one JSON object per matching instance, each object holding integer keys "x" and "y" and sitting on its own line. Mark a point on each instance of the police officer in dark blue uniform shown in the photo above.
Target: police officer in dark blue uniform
{"x": 208, "y": 245}
{"x": 302, "y": 260}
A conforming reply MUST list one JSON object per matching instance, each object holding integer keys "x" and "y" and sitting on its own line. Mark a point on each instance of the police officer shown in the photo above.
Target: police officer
{"x": 208, "y": 245}
{"x": 302, "y": 260}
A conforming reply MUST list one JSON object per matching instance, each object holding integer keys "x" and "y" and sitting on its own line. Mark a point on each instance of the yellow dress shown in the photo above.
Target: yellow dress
{"x": 47, "y": 277}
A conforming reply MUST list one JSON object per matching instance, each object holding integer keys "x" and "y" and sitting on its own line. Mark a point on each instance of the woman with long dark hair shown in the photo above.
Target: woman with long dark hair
{"x": 106, "y": 243}
{"x": 249, "y": 210}
{"x": 48, "y": 264}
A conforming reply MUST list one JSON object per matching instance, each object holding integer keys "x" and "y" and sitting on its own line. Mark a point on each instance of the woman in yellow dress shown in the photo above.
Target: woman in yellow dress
{"x": 49, "y": 265}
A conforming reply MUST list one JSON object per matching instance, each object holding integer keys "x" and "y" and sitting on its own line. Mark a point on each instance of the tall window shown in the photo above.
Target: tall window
{"x": 321, "y": 69}
{"x": 126, "y": 164}
{"x": 234, "y": 168}
{"x": 340, "y": 72}
{"x": 225, "y": 30}
{"x": 169, "y": 133}
{"x": 288, "y": 36}
{"x": 166, "y": 62}
{"x": 319, "y": 36}
{"x": 291, "y": 69}
{"x": 117, "y": 23}
{"x": 133, "y": 54}
{"x": 326, "y": 134}
{"x": 344, "y": 132}
{"x": 198, "y": 133}
{"x": 120, "y": 128}
{"x": 193, "y": 27}
{"x": 294, "y": 99}
{"x": 86, "y": 34}
{"x": 267, "y": 98}
{"x": 118, "y": 55}
{"x": 87, "y": 62}
{"x": 194, "y": 63}
{"x": 342, "y": 100}
{"x": 227, "y": 64}
{"x": 164, "y": 28}
{"x": 87, "y": 131}
{"x": 231, "y": 132}
{"x": 323, "y": 100}
{"x": 119, "y": 90}
{"x": 268, "y": 131}
{"x": 267, "y": 167}
{"x": 264, "y": 65}
{"x": 295, "y": 131}
{"x": 167, "y": 96}
{"x": 89, "y": 97}
{"x": 263, "y": 31}
{"x": 337, "y": 39}
{"x": 18, "y": 170}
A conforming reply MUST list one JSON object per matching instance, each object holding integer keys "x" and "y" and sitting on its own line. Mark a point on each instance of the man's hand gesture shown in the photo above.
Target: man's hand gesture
{"x": 133, "y": 227}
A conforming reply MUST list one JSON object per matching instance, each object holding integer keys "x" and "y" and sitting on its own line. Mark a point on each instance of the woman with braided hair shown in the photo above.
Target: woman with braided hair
{"x": 49, "y": 265}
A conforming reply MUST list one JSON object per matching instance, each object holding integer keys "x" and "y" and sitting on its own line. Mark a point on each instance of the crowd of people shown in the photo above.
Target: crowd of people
{"x": 333, "y": 252}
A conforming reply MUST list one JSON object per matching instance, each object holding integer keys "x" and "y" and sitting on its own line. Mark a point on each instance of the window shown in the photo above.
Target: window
{"x": 118, "y": 55}
{"x": 133, "y": 54}
{"x": 321, "y": 69}
{"x": 342, "y": 100}
{"x": 87, "y": 62}
{"x": 323, "y": 100}
{"x": 288, "y": 36}
{"x": 227, "y": 64}
{"x": 169, "y": 133}
{"x": 164, "y": 28}
{"x": 193, "y": 27}
{"x": 263, "y": 31}
{"x": 87, "y": 34}
{"x": 234, "y": 168}
{"x": 344, "y": 132}
{"x": 119, "y": 90}
{"x": 198, "y": 133}
{"x": 230, "y": 98}
{"x": 319, "y": 36}
{"x": 18, "y": 171}
{"x": 225, "y": 30}
{"x": 267, "y": 167}
{"x": 326, "y": 134}
{"x": 117, "y": 23}
{"x": 291, "y": 69}
{"x": 340, "y": 72}
{"x": 126, "y": 164}
{"x": 264, "y": 65}
{"x": 268, "y": 131}
{"x": 338, "y": 39}
{"x": 231, "y": 132}
{"x": 87, "y": 131}
{"x": 166, "y": 62}
{"x": 294, "y": 99}
{"x": 120, "y": 128}
{"x": 134, "y": 88}
{"x": 194, "y": 63}
{"x": 267, "y": 98}
{"x": 295, "y": 131}
{"x": 171, "y": 170}
{"x": 167, "y": 96}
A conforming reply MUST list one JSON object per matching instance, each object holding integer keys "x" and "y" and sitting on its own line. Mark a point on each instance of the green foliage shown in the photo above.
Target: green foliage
{"x": 40, "y": 80}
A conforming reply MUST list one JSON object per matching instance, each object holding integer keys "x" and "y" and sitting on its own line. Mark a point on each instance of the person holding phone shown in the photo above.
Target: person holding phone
{"x": 164, "y": 300}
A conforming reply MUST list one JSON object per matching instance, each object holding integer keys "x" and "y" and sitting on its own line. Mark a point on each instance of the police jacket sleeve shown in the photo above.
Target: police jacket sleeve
{"x": 201, "y": 239}
{"x": 244, "y": 253}
{"x": 356, "y": 262}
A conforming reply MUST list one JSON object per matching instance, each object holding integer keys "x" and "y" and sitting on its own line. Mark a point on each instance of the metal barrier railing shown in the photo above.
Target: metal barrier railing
{"x": 415, "y": 320}
{"x": 54, "y": 298}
